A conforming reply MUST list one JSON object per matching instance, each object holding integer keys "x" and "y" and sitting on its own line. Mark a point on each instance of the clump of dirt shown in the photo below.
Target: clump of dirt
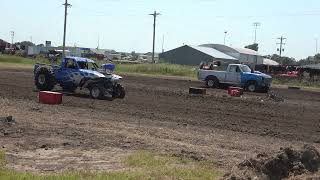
{"x": 8, "y": 127}
{"x": 190, "y": 155}
{"x": 7, "y": 120}
{"x": 286, "y": 163}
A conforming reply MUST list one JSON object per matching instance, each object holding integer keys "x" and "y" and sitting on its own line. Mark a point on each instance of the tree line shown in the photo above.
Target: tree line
{"x": 284, "y": 60}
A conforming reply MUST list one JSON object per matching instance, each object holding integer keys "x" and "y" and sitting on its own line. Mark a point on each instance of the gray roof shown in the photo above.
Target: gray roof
{"x": 227, "y": 49}
{"x": 212, "y": 52}
{"x": 270, "y": 62}
{"x": 247, "y": 51}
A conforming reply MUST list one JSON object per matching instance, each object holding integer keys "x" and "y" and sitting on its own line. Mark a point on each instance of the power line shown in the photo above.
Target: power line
{"x": 155, "y": 14}
{"x": 271, "y": 15}
{"x": 281, "y": 44}
{"x": 66, "y": 5}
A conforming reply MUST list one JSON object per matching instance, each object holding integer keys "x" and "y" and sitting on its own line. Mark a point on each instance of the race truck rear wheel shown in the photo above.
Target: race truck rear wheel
{"x": 119, "y": 92}
{"x": 96, "y": 92}
{"x": 44, "y": 80}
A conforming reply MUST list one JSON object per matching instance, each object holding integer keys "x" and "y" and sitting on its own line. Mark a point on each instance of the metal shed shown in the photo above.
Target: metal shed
{"x": 194, "y": 55}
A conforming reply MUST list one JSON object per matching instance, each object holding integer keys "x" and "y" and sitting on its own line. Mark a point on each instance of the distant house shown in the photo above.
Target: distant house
{"x": 194, "y": 55}
{"x": 3, "y": 45}
{"x": 147, "y": 57}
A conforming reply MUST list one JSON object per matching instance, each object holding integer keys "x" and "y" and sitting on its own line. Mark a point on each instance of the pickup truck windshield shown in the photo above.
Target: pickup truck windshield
{"x": 86, "y": 65}
{"x": 245, "y": 69}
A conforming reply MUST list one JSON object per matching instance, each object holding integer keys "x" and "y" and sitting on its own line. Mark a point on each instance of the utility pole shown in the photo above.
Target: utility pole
{"x": 316, "y": 45}
{"x": 155, "y": 14}
{"x": 162, "y": 44}
{"x": 66, "y": 5}
{"x": 281, "y": 44}
{"x": 225, "y": 36}
{"x": 31, "y": 39}
{"x": 12, "y": 39}
{"x": 256, "y": 25}
{"x": 98, "y": 42}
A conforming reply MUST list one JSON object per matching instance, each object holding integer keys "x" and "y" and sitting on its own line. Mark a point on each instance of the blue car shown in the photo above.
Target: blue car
{"x": 77, "y": 72}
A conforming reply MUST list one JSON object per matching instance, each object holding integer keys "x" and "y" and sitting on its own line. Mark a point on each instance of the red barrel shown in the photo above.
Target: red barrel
{"x": 230, "y": 89}
{"x": 235, "y": 93}
{"x": 48, "y": 97}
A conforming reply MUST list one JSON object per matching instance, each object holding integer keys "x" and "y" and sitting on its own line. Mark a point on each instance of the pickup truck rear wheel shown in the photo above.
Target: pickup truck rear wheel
{"x": 251, "y": 86}
{"x": 44, "y": 80}
{"x": 212, "y": 82}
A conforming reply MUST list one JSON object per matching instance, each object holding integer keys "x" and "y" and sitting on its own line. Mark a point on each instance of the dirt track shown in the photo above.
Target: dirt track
{"x": 158, "y": 115}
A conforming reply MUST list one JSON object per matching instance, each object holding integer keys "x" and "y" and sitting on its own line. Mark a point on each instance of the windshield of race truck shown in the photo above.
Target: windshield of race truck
{"x": 87, "y": 65}
{"x": 245, "y": 69}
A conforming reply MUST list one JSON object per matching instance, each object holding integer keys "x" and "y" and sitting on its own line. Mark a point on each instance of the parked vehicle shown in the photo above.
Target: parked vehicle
{"x": 236, "y": 75}
{"x": 76, "y": 72}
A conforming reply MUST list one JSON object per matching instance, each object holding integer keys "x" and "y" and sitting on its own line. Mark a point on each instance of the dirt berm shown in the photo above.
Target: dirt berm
{"x": 286, "y": 164}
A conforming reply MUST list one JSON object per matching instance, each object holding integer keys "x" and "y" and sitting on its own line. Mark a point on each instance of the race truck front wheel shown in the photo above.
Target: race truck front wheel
{"x": 96, "y": 92}
{"x": 119, "y": 92}
{"x": 44, "y": 80}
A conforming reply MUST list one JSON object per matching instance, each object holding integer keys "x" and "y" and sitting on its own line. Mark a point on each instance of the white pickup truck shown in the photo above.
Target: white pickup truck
{"x": 236, "y": 75}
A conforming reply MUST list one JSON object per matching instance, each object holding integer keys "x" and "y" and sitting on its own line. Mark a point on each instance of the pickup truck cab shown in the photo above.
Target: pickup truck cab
{"x": 236, "y": 75}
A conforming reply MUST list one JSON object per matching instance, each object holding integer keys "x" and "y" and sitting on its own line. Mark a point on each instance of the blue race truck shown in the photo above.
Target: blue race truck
{"x": 236, "y": 75}
{"x": 76, "y": 72}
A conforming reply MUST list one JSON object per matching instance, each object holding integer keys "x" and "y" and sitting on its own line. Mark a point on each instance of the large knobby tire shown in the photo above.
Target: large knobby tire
{"x": 70, "y": 89}
{"x": 251, "y": 86}
{"x": 97, "y": 92}
{"x": 119, "y": 92}
{"x": 212, "y": 82}
{"x": 44, "y": 80}
{"x": 265, "y": 90}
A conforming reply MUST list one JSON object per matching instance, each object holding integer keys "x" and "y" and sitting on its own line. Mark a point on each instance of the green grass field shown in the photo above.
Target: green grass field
{"x": 141, "y": 165}
{"x": 158, "y": 69}
{"x": 296, "y": 83}
{"x": 20, "y": 61}
{"x": 149, "y": 69}
{"x": 163, "y": 69}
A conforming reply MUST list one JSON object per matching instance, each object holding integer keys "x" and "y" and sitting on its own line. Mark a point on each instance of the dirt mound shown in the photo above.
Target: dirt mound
{"x": 8, "y": 127}
{"x": 286, "y": 163}
{"x": 7, "y": 120}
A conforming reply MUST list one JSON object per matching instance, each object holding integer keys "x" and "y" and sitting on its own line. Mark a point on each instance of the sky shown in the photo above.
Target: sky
{"x": 125, "y": 26}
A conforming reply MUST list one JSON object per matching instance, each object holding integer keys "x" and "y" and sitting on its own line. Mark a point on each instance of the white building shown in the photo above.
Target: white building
{"x": 244, "y": 55}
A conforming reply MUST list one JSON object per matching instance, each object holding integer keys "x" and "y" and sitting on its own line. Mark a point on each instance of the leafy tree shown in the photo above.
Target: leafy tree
{"x": 134, "y": 55}
{"x": 317, "y": 58}
{"x": 24, "y": 44}
{"x": 283, "y": 59}
{"x": 310, "y": 60}
{"x": 254, "y": 46}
